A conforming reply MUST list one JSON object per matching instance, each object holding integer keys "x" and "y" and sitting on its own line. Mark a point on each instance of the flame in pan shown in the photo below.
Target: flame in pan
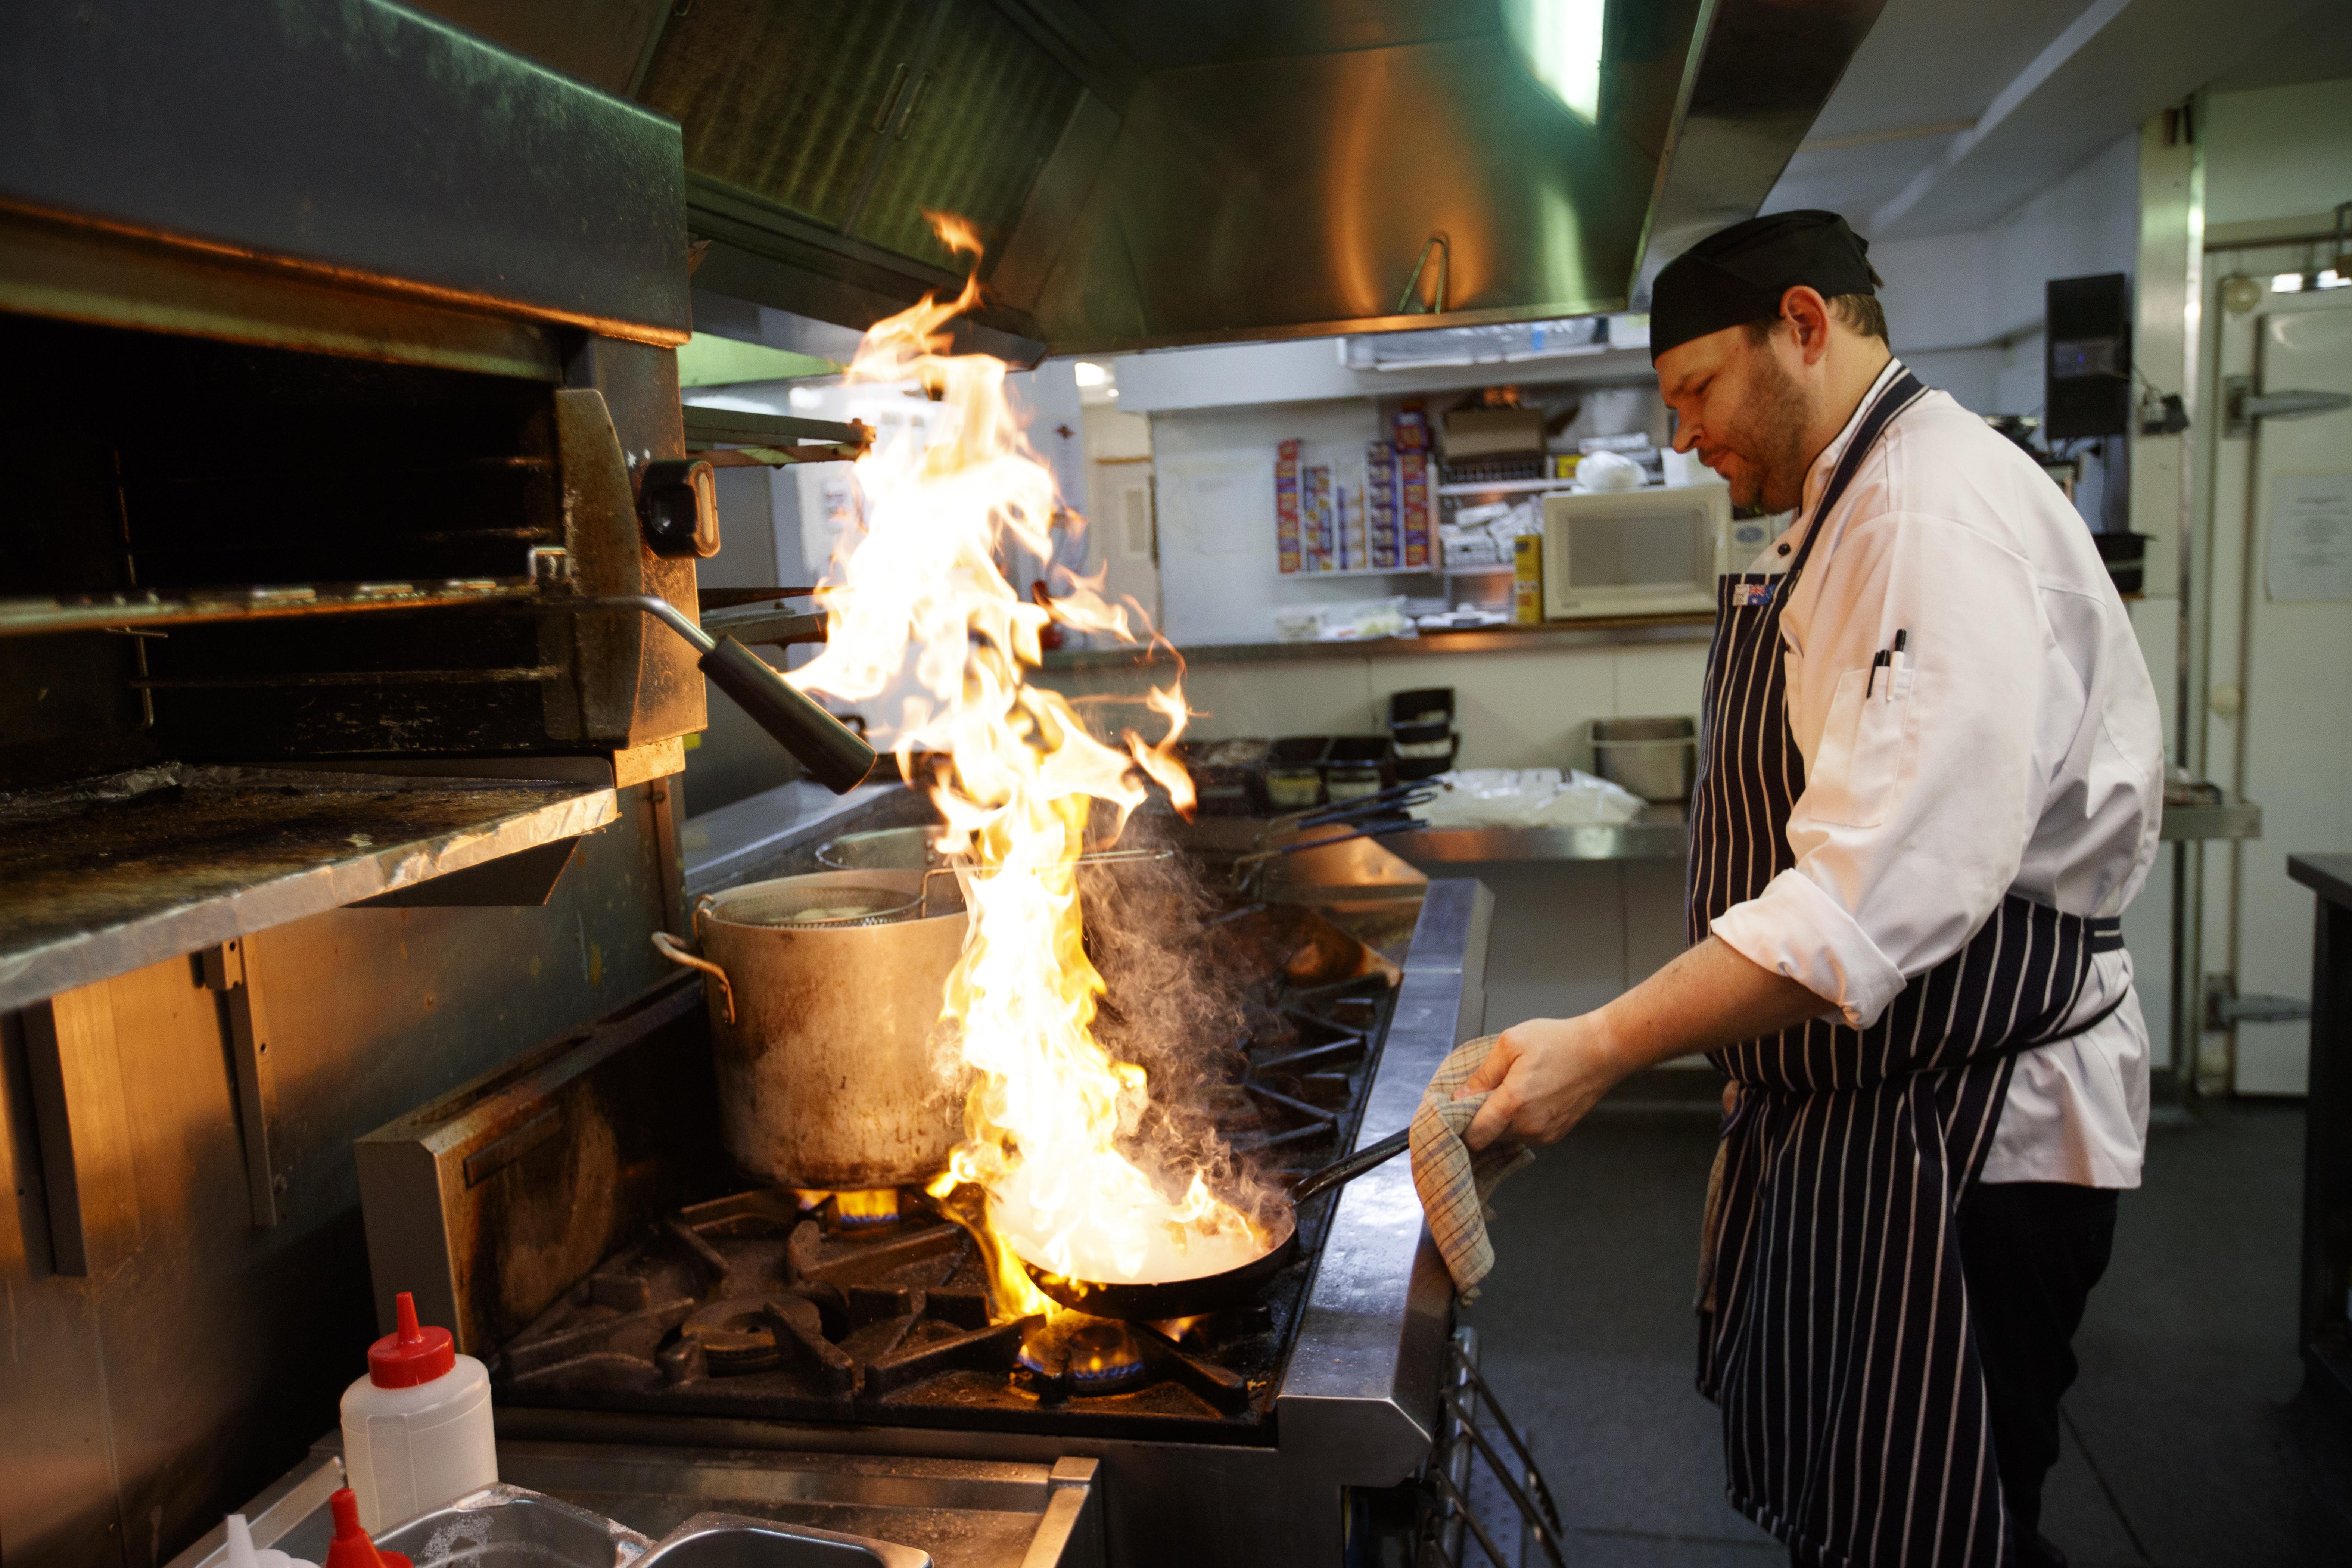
{"x": 919, "y": 601}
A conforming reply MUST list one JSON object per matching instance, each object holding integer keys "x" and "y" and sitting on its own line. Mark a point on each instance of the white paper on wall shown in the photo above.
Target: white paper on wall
{"x": 2310, "y": 537}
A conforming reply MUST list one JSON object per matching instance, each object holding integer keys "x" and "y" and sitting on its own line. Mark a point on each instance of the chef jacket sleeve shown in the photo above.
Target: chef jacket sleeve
{"x": 1922, "y": 787}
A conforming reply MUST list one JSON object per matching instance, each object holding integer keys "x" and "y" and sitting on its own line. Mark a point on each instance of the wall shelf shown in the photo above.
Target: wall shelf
{"x": 110, "y": 875}
{"x": 1505, "y": 487}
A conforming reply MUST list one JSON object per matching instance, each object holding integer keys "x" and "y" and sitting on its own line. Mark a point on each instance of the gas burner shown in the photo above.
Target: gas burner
{"x": 851, "y": 1211}
{"x": 1095, "y": 1356}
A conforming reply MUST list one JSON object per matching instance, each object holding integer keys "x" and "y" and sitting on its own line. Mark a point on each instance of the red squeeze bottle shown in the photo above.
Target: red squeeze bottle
{"x": 352, "y": 1548}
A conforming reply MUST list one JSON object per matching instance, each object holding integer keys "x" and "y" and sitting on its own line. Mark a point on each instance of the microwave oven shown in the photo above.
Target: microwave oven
{"x": 1651, "y": 552}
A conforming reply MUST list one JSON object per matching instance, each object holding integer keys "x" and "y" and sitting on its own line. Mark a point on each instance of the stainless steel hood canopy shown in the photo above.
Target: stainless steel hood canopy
{"x": 1149, "y": 173}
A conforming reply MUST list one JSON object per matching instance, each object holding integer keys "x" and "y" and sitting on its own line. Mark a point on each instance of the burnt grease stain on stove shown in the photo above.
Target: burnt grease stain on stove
{"x": 752, "y": 1305}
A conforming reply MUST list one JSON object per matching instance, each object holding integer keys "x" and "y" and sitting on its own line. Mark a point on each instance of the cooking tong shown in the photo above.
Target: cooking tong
{"x": 1374, "y": 816}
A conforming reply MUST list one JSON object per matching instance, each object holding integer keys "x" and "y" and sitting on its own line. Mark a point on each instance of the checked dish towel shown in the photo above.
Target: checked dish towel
{"x": 1454, "y": 1183}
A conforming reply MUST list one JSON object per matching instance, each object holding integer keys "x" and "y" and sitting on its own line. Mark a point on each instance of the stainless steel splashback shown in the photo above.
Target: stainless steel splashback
{"x": 1145, "y": 173}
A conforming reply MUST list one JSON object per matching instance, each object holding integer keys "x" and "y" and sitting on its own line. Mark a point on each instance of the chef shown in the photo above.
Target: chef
{"x": 1932, "y": 780}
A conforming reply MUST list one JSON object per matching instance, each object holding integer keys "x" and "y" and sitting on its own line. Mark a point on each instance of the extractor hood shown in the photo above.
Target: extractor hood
{"x": 1149, "y": 171}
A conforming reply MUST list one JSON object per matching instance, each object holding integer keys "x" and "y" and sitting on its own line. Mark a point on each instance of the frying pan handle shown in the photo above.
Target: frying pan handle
{"x": 669, "y": 947}
{"x": 1342, "y": 1171}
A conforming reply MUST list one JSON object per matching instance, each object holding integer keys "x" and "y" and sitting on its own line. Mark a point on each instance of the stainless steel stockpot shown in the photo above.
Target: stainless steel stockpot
{"x": 824, "y": 995}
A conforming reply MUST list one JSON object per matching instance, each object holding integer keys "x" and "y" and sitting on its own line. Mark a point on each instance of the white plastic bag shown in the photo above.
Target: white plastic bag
{"x": 1526, "y": 797}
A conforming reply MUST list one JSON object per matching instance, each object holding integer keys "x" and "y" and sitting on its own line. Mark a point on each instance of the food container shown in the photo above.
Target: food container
{"x": 1428, "y": 767}
{"x": 1227, "y": 775}
{"x": 507, "y": 1527}
{"x": 1423, "y": 705}
{"x": 1656, "y": 759}
{"x": 1419, "y": 743}
{"x": 1353, "y": 767}
{"x": 824, "y": 996}
{"x": 1294, "y": 771}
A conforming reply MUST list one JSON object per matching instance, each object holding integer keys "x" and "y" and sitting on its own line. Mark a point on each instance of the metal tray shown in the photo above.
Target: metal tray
{"x": 735, "y": 1541}
{"x": 509, "y": 1527}
{"x": 748, "y": 1509}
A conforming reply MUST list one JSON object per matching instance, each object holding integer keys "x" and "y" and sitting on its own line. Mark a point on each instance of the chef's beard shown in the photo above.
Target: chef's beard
{"x": 1769, "y": 437}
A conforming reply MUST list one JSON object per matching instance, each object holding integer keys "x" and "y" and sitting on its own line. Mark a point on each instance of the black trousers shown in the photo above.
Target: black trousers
{"x": 2031, "y": 1251}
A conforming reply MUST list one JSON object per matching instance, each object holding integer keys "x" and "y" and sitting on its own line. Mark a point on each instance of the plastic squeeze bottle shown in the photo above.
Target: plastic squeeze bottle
{"x": 416, "y": 1428}
{"x": 350, "y": 1548}
{"x": 243, "y": 1553}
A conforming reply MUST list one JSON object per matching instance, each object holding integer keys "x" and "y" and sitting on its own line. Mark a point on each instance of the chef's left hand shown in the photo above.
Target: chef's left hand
{"x": 1545, "y": 1074}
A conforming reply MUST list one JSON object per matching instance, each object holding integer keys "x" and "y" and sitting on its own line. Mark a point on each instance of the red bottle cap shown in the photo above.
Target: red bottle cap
{"x": 410, "y": 1355}
{"x": 350, "y": 1548}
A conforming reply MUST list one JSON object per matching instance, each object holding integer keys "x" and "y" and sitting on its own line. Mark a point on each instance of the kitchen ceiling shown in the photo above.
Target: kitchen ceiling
{"x": 1956, "y": 112}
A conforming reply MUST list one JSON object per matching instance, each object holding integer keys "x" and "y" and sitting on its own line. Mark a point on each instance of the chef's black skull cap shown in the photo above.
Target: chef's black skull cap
{"x": 1739, "y": 274}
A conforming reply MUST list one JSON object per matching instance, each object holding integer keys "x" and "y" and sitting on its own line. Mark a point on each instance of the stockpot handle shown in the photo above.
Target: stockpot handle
{"x": 669, "y": 947}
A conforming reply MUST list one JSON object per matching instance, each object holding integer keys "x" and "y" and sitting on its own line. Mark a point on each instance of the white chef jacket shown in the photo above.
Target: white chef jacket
{"x": 2022, "y": 749}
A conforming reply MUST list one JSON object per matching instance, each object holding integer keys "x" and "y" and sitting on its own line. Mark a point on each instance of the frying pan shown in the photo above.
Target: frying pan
{"x": 1153, "y": 1303}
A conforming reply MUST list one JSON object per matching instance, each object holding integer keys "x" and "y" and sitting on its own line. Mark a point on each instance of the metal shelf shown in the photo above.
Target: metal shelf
{"x": 1502, "y": 487}
{"x": 110, "y": 875}
{"x": 1658, "y": 834}
{"x": 2226, "y": 819}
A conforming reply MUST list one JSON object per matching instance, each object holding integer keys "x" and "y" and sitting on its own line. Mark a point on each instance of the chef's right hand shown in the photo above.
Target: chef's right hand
{"x": 1544, "y": 1075}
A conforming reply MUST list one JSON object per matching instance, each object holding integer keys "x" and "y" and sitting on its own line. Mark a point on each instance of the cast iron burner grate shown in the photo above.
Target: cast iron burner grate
{"x": 757, "y": 1305}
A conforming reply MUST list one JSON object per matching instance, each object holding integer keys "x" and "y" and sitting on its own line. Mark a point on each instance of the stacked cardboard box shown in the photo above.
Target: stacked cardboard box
{"x": 1414, "y": 476}
{"x": 1286, "y": 508}
{"x": 1380, "y": 504}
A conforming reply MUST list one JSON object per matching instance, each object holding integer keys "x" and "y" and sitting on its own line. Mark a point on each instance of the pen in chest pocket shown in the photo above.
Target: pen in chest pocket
{"x": 1891, "y": 660}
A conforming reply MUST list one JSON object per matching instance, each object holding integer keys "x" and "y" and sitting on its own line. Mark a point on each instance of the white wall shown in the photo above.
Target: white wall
{"x": 2284, "y": 152}
{"x": 1965, "y": 308}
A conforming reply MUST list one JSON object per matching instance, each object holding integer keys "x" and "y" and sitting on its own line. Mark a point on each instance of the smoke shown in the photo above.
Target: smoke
{"x": 1170, "y": 1007}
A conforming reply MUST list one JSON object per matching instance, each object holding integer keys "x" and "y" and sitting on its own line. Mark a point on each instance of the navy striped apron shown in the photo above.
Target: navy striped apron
{"x": 1833, "y": 1320}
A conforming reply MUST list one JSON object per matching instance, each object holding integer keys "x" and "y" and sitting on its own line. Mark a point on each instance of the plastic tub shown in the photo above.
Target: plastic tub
{"x": 1424, "y": 705}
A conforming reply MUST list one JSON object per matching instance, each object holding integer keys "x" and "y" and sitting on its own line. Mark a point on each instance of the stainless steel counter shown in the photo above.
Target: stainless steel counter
{"x": 776, "y": 832}
{"x": 1661, "y": 833}
{"x": 967, "y": 1513}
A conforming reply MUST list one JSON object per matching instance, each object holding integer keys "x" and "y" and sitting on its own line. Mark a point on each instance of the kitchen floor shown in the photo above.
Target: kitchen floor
{"x": 2188, "y": 1438}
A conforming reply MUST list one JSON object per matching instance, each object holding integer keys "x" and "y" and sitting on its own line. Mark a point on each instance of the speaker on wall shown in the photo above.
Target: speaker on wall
{"x": 2086, "y": 356}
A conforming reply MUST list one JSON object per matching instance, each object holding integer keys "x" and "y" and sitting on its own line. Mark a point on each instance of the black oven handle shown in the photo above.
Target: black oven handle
{"x": 834, "y": 753}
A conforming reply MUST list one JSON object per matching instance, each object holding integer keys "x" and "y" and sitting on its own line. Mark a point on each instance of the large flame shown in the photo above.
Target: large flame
{"x": 918, "y": 601}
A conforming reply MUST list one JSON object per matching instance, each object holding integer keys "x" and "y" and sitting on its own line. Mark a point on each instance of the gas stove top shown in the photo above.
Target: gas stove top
{"x": 568, "y": 1215}
{"x": 771, "y": 1304}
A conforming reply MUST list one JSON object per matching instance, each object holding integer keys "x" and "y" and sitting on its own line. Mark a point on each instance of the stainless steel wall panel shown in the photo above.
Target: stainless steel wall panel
{"x": 198, "y": 1362}
{"x": 792, "y": 102}
{"x": 1273, "y": 198}
{"x": 57, "y": 1502}
{"x": 985, "y": 111}
{"x": 357, "y": 137}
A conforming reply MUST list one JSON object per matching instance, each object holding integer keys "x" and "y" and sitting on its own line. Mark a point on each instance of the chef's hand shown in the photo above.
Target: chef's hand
{"x": 1545, "y": 1074}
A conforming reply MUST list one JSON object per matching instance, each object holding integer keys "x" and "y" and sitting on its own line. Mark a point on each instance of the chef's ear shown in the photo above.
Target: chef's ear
{"x": 1808, "y": 314}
